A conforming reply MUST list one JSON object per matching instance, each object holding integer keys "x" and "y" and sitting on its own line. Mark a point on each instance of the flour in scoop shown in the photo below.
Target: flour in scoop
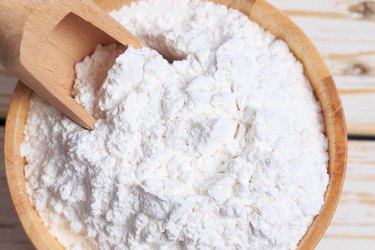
{"x": 222, "y": 148}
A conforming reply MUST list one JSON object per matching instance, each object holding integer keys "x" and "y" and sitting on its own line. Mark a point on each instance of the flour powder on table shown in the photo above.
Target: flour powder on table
{"x": 221, "y": 146}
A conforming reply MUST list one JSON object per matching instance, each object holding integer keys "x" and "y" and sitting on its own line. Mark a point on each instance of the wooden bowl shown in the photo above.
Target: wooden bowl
{"x": 282, "y": 27}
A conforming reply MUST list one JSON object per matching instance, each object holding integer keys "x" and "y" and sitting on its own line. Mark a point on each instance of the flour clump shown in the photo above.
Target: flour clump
{"x": 217, "y": 144}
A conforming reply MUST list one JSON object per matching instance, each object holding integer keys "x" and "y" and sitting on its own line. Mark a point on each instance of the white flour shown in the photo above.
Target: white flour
{"x": 222, "y": 149}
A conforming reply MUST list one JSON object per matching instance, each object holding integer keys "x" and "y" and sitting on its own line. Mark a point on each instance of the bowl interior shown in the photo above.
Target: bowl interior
{"x": 315, "y": 69}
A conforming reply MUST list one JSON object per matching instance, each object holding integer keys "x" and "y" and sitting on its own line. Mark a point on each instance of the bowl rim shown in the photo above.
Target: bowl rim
{"x": 280, "y": 26}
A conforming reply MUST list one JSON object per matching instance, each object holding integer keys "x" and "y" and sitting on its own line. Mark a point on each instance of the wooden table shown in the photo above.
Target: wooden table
{"x": 344, "y": 32}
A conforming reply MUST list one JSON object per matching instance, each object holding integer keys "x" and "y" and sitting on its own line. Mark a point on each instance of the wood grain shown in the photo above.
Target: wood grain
{"x": 45, "y": 58}
{"x": 15, "y": 176}
{"x": 345, "y": 36}
{"x": 324, "y": 88}
{"x": 352, "y": 227}
{"x": 315, "y": 68}
{"x": 346, "y": 39}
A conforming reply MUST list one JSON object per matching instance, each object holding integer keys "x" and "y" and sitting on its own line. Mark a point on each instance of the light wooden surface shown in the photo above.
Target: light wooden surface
{"x": 346, "y": 40}
{"x": 316, "y": 70}
{"x": 344, "y": 33}
{"x": 352, "y": 228}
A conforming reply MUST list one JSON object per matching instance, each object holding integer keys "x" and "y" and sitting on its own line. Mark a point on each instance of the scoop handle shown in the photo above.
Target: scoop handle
{"x": 35, "y": 33}
{"x": 13, "y": 18}
{"x": 23, "y": 26}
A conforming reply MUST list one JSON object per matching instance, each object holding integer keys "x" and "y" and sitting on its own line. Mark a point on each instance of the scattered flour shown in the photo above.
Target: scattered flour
{"x": 222, "y": 149}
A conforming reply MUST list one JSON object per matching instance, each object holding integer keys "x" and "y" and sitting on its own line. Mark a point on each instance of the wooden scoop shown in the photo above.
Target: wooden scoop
{"x": 42, "y": 40}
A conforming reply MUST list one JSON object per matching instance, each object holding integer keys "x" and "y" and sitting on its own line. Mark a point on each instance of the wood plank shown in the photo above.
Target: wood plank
{"x": 344, "y": 32}
{"x": 345, "y": 244}
{"x": 353, "y": 226}
{"x": 337, "y": 8}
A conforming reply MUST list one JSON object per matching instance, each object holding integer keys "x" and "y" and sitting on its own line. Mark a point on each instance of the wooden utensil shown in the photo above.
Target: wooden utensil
{"x": 315, "y": 69}
{"x": 42, "y": 40}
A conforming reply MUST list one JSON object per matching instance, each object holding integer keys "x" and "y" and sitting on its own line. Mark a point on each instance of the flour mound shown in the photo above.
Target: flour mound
{"x": 222, "y": 149}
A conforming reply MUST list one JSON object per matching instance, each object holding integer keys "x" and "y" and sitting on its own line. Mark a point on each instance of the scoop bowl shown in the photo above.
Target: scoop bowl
{"x": 315, "y": 69}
